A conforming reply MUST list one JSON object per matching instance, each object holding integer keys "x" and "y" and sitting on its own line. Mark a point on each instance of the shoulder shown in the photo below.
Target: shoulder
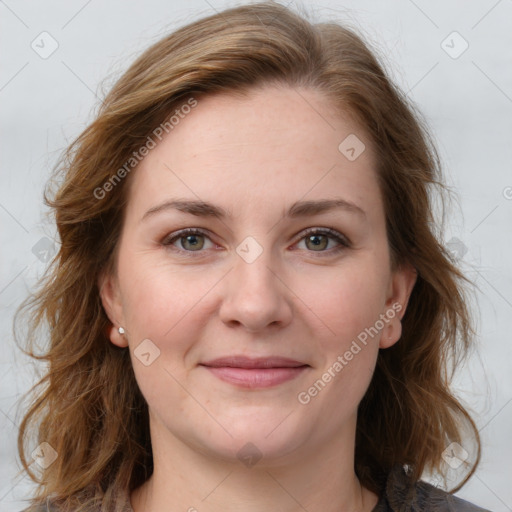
{"x": 401, "y": 495}
{"x": 436, "y": 499}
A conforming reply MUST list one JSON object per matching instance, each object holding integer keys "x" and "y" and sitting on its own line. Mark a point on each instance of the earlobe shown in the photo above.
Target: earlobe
{"x": 400, "y": 289}
{"x": 392, "y": 334}
{"x": 110, "y": 299}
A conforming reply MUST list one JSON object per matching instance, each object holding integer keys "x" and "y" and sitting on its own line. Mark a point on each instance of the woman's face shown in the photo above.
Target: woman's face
{"x": 274, "y": 268}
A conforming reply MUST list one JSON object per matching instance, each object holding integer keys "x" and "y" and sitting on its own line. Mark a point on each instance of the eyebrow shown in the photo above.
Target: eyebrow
{"x": 298, "y": 209}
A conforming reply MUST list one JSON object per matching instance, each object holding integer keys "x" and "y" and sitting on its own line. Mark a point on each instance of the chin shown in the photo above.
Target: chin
{"x": 258, "y": 440}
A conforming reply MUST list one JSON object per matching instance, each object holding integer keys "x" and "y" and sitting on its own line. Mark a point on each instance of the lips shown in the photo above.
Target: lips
{"x": 254, "y": 373}
{"x": 251, "y": 363}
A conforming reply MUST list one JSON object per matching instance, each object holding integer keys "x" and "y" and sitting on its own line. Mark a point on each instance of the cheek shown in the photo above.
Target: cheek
{"x": 164, "y": 307}
{"x": 349, "y": 304}
{"x": 157, "y": 298}
{"x": 348, "y": 356}
{"x": 347, "y": 300}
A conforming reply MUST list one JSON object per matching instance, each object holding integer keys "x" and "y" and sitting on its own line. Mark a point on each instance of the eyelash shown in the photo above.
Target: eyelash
{"x": 344, "y": 243}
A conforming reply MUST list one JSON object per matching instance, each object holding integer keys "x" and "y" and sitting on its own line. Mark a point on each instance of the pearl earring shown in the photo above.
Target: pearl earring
{"x": 121, "y": 330}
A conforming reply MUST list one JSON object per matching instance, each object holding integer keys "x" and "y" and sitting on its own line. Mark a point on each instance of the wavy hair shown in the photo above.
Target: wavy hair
{"x": 88, "y": 406}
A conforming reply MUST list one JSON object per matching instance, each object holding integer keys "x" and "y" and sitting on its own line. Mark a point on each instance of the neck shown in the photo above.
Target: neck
{"x": 319, "y": 478}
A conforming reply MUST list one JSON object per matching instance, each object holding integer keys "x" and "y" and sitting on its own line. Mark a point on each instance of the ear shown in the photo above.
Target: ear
{"x": 400, "y": 288}
{"x": 111, "y": 300}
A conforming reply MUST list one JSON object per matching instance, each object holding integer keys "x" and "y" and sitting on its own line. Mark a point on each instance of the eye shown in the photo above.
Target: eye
{"x": 192, "y": 240}
{"x": 317, "y": 239}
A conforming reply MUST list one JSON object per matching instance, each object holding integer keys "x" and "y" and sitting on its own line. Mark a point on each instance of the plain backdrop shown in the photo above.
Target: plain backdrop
{"x": 452, "y": 58}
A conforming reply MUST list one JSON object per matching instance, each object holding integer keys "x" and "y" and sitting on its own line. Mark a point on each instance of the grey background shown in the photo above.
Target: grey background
{"x": 466, "y": 99}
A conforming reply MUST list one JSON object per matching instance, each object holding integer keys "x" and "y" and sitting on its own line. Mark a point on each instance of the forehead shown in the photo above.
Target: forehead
{"x": 270, "y": 148}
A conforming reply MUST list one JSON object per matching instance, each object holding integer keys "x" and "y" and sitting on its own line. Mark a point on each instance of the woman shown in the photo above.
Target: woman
{"x": 250, "y": 309}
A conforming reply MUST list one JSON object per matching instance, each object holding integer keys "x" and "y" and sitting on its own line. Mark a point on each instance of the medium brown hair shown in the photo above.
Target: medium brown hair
{"x": 88, "y": 406}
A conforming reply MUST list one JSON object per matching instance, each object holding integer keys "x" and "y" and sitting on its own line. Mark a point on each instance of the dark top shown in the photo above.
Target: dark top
{"x": 399, "y": 495}
{"x": 403, "y": 495}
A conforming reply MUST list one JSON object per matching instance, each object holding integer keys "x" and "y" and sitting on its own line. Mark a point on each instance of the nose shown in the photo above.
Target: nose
{"x": 256, "y": 296}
